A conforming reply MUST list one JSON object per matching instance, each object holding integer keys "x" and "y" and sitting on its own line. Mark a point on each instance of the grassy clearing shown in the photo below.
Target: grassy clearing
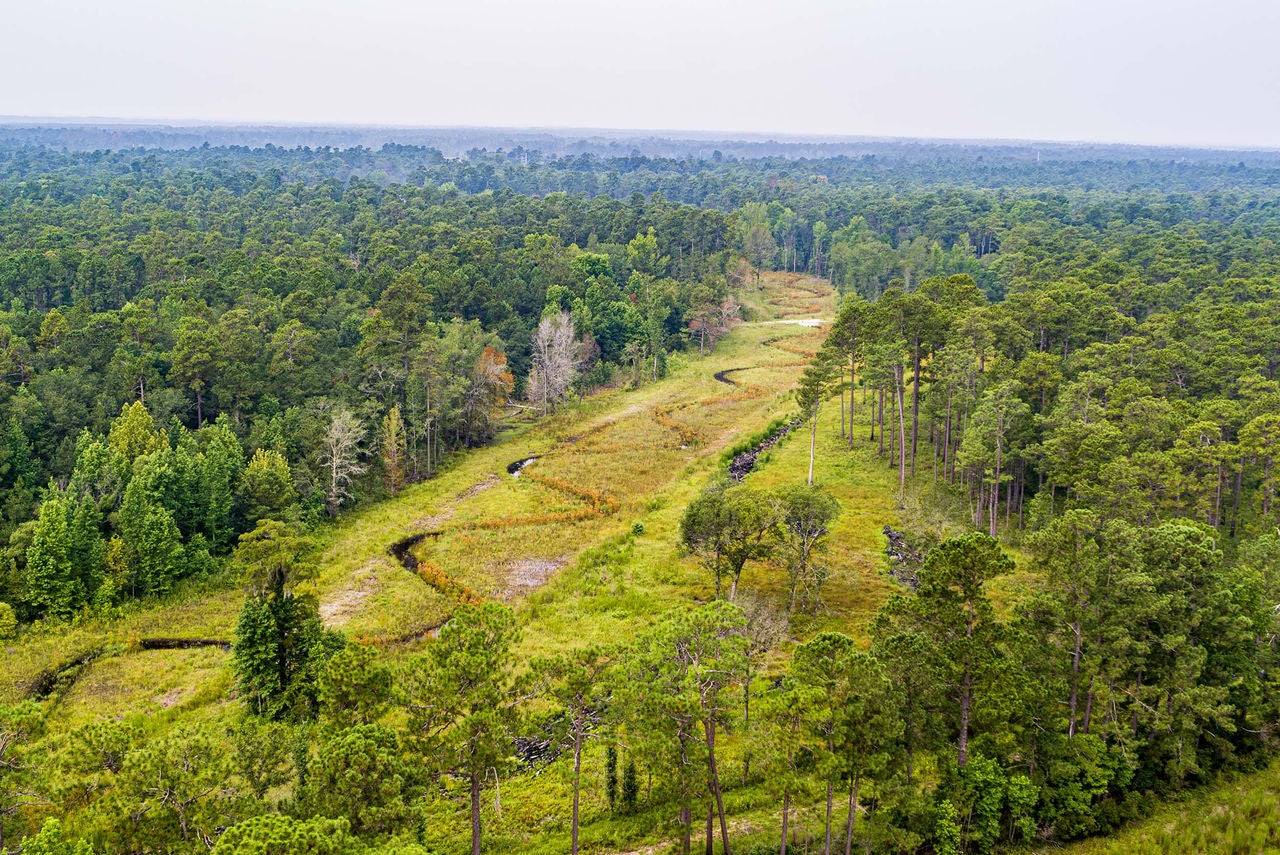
{"x": 194, "y": 613}
{"x": 866, "y": 486}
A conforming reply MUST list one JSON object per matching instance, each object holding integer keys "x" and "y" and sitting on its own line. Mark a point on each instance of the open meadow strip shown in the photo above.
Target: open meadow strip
{"x": 593, "y": 478}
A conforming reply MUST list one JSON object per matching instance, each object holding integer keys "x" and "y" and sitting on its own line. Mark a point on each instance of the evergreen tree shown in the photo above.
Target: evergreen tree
{"x": 461, "y": 701}
{"x": 950, "y": 610}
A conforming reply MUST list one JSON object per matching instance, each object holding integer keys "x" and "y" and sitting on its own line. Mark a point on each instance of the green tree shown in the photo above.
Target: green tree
{"x": 461, "y": 699}
{"x": 678, "y": 692}
{"x": 223, "y": 466}
{"x": 134, "y": 433}
{"x": 273, "y": 834}
{"x": 785, "y": 738}
{"x": 50, "y": 841}
{"x": 986, "y": 445}
{"x": 172, "y": 792}
{"x": 266, "y": 487}
{"x": 1260, "y": 440}
{"x": 195, "y": 359}
{"x": 359, "y": 774}
{"x": 806, "y": 512}
{"x": 355, "y": 687}
{"x": 52, "y": 586}
{"x": 262, "y": 755}
{"x": 391, "y": 446}
{"x": 951, "y": 611}
{"x": 726, "y": 527}
{"x": 152, "y": 542}
{"x": 578, "y": 685}
{"x": 817, "y": 384}
{"x": 21, "y": 726}
{"x": 280, "y": 644}
{"x": 853, "y": 718}
{"x": 389, "y": 338}
{"x": 643, "y": 255}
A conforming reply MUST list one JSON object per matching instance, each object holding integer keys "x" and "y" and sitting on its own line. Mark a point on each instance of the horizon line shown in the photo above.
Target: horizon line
{"x": 672, "y": 134}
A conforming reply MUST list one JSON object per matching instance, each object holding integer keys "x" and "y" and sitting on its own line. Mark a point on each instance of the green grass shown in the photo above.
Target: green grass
{"x": 866, "y": 489}
{"x": 1241, "y": 817}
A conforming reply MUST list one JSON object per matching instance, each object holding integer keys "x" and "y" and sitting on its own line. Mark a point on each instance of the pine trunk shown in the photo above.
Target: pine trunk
{"x": 853, "y": 812}
{"x": 475, "y": 814}
{"x": 577, "y": 780}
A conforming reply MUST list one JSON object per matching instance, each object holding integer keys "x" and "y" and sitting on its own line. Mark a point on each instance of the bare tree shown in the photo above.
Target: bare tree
{"x": 341, "y": 456}
{"x": 710, "y": 320}
{"x": 555, "y": 361}
{"x": 728, "y": 314}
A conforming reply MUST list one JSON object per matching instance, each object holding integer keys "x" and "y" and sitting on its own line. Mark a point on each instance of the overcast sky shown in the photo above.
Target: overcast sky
{"x": 1148, "y": 71}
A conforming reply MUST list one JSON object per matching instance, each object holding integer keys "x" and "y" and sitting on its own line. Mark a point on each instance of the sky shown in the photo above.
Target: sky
{"x": 1138, "y": 71}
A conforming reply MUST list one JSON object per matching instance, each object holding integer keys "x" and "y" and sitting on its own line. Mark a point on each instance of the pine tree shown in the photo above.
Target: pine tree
{"x": 391, "y": 445}
{"x": 266, "y": 487}
{"x": 462, "y": 702}
{"x": 52, "y": 586}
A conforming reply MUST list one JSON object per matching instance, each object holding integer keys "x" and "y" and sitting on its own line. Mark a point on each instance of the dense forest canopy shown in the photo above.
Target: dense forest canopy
{"x": 1068, "y": 353}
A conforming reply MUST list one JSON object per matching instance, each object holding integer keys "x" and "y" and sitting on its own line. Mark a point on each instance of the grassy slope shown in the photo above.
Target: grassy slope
{"x": 1241, "y": 817}
{"x": 649, "y": 450}
{"x": 616, "y": 590}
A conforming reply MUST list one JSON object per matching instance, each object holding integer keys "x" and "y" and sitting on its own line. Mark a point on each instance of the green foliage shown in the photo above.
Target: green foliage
{"x": 273, "y": 834}
{"x": 21, "y": 726}
{"x": 266, "y": 487}
{"x": 806, "y": 516}
{"x": 263, "y": 755}
{"x": 675, "y": 695}
{"x": 134, "y": 433}
{"x": 172, "y": 792}
{"x": 629, "y": 792}
{"x": 50, "y": 841}
{"x": 461, "y": 700}
{"x": 359, "y": 774}
{"x": 52, "y": 586}
{"x": 355, "y": 687}
{"x": 953, "y": 617}
{"x": 279, "y": 651}
{"x": 1115, "y": 416}
{"x": 611, "y": 775}
{"x": 152, "y": 542}
{"x": 726, "y": 527}
{"x": 270, "y": 559}
{"x": 947, "y": 837}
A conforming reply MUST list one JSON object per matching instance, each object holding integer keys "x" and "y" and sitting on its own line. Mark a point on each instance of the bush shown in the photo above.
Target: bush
{"x": 272, "y": 834}
{"x": 8, "y": 621}
{"x": 50, "y": 841}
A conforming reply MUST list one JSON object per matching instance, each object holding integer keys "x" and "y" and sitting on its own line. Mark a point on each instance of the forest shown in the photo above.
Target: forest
{"x": 981, "y": 555}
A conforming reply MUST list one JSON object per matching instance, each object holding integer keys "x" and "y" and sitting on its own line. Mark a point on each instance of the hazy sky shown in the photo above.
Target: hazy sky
{"x": 1160, "y": 71}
